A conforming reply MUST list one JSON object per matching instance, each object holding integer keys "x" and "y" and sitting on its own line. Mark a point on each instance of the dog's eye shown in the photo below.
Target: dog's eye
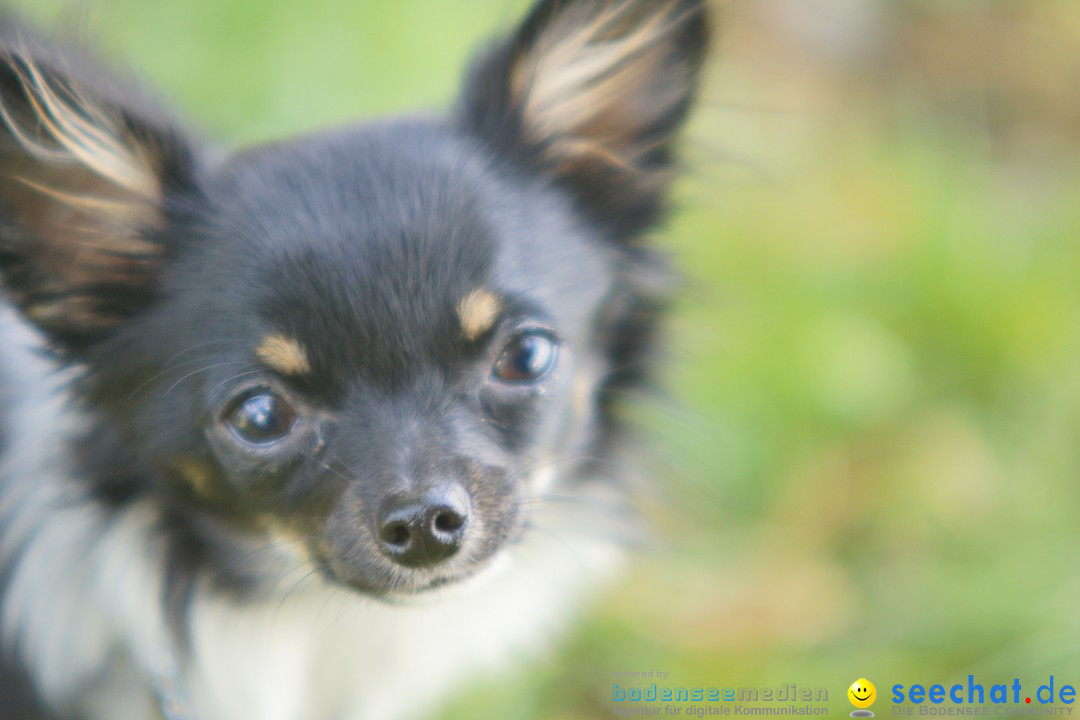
{"x": 527, "y": 358}
{"x": 261, "y": 418}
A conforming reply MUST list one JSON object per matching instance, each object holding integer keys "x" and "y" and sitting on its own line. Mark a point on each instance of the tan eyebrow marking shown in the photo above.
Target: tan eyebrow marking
{"x": 286, "y": 539}
{"x": 478, "y": 311}
{"x": 197, "y": 475}
{"x": 283, "y": 354}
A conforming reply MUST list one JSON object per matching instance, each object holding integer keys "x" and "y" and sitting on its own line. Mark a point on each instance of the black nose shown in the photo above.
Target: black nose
{"x": 423, "y": 530}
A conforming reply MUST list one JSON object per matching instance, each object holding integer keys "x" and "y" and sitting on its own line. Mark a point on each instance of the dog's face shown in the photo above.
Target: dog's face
{"x": 378, "y": 344}
{"x": 374, "y": 349}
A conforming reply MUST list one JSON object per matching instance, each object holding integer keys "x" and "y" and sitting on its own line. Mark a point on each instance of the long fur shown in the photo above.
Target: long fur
{"x": 321, "y": 429}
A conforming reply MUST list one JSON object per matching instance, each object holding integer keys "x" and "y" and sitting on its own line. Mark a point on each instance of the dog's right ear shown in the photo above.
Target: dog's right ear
{"x": 86, "y": 174}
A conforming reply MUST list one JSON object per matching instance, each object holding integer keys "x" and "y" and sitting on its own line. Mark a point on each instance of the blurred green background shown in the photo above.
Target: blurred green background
{"x": 870, "y": 453}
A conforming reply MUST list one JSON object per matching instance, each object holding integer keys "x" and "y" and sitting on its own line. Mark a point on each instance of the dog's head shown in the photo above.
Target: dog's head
{"x": 379, "y": 341}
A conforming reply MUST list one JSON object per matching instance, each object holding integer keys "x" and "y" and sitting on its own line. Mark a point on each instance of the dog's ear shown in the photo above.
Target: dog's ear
{"x": 592, "y": 92}
{"x": 86, "y": 172}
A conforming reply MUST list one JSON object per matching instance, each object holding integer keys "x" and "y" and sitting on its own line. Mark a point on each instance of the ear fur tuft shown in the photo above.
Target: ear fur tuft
{"x": 592, "y": 93}
{"x": 84, "y": 174}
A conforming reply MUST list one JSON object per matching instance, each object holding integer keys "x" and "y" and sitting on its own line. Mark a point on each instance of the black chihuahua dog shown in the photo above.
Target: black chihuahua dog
{"x": 313, "y": 430}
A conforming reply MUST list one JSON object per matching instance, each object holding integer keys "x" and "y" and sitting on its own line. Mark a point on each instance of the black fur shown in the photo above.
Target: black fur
{"x": 331, "y": 276}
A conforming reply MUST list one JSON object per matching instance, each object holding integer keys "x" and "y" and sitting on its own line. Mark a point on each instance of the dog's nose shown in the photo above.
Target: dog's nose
{"x": 421, "y": 530}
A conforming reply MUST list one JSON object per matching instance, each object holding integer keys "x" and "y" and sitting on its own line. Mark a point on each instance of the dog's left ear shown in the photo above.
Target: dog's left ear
{"x": 86, "y": 173}
{"x": 591, "y": 93}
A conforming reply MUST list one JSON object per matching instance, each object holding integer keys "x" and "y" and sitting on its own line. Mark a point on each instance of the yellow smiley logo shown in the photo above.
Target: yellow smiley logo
{"x": 862, "y": 693}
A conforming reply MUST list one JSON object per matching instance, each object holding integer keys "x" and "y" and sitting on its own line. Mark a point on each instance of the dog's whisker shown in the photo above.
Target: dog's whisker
{"x": 234, "y": 378}
{"x": 328, "y": 468}
{"x": 311, "y": 571}
{"x": 275, "y": 544}
{"x": 200, "y": 370}
{"x": 544, "y": 462}
{"x": 197, "y": 346}
{"x": 164, "y": 372}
